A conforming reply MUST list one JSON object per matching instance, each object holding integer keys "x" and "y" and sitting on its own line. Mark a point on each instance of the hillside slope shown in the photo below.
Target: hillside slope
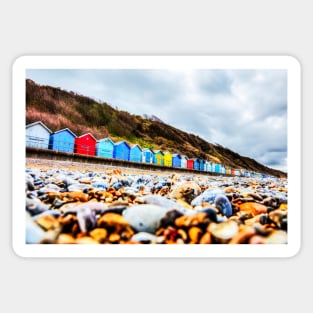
{"x": 59, "y": 109}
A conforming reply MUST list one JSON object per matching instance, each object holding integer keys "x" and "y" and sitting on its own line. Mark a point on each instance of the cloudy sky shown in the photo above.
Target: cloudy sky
{"x": 243, "y": 110}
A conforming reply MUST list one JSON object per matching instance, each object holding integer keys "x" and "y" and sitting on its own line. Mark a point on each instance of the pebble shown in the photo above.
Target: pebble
{"x": 208, "y": 196}
{"x": 186, "y": 192}
{"x": 145, "y": 237}
{"x": 100, "y": 185}
{"x": 34, "y": 233}
{"x": 145, "y": 217}
{"x": 223, "y": 205}
{"x": 225, "y": 231}
{"x": 253, "y": 208}
{"x": 66, "y": 206}
{"x": 35, "y": 206}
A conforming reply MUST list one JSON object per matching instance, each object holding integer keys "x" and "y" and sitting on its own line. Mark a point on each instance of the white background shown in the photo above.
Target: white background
{"x": 155, "y": 27}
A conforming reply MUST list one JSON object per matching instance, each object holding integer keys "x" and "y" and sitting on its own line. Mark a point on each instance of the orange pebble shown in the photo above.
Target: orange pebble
{"x": 253, "y": 208}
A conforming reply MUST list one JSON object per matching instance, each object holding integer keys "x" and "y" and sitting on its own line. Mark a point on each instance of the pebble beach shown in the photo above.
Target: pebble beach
{"x": 69, "y": 203}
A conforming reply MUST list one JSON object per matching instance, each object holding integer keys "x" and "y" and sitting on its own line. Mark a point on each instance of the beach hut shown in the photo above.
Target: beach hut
{"x": 176, "y": 160}
{"x": 183, "y": 161}
{"x": 213, "y": 167}
{"x": 85, "y": 144}
{"x": 37, "y": 135}
{"x": 167, "y": 158}
{"x": 201, "y": 165}
{"x": 208, "y": 166}
{"x": 190, "y": 163}
{"x": 228, "y": 170}
{"x": 135, "y": 153}
{"x": 147, "y": 155}
{"x": 237, "y": 172}
{"x": 121, "y": 150}
{"x": 62, "y": 140}
{"x": 218, "y": 168}
{"x": 221, "y": 169}
{"x": 158, "y": 157}
{"x": 196, "y": 164}
{"x": 105, "y": 147}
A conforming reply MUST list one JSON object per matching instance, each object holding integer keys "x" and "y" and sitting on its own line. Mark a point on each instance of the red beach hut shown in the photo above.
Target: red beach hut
{"x": 85, "y": 144}
{"x": 190, "y": 164}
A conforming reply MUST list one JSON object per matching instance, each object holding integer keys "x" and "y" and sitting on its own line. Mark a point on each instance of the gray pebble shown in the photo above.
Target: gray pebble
{"x": 35, "y": 206}
{"x": 145, "y": 217}
{"x": 34, "y": 233}
{"x": 208, "y": 195}
{"x": 145, "y": 237}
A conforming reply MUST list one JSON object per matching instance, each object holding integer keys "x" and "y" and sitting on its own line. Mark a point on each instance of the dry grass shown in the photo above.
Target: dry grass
{"x": 58, "y": 121}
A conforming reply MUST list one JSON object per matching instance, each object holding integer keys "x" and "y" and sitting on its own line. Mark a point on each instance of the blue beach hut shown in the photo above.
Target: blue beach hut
{"x": 62, "y": 140}
{"x": 201, "y": 164}
{"x": 121, "y": 150}
{"x": 196, "y": 164}
{"x": 105, "y": 147}
{"x": 218, "y": 168}
{"x": 135, "y": 153}
{"x": 176, "y": 160}
{"x": 147, "y": 155}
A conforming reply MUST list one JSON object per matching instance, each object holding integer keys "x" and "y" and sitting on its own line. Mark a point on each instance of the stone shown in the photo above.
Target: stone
{"x": 253, "y": 208}
{"x": 223, "y": 205}
{"x": 208, "y": 196}
{"x": 145, "y": 217}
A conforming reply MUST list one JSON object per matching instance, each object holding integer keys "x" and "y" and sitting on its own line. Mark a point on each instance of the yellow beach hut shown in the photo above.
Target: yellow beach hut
{"x": 167, "y": 158}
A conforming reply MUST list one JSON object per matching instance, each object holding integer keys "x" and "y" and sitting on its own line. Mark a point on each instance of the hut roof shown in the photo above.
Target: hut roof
{"x": 84, "y": 135}
{"x": 65, "y": 129}
{"x": 105, "y": 139}
{"x": 135, "y": 145}
{"x": 39, "y": 123}
{"x": 120, "y": 142}
{"x": 157, "y": 151}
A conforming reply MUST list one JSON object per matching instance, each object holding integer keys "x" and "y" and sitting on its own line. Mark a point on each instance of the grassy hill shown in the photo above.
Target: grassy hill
{"x": 59, "y": 109}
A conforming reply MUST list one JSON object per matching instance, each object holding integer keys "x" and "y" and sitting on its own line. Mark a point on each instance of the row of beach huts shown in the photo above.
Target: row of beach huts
{"x": 38, "y": 135}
